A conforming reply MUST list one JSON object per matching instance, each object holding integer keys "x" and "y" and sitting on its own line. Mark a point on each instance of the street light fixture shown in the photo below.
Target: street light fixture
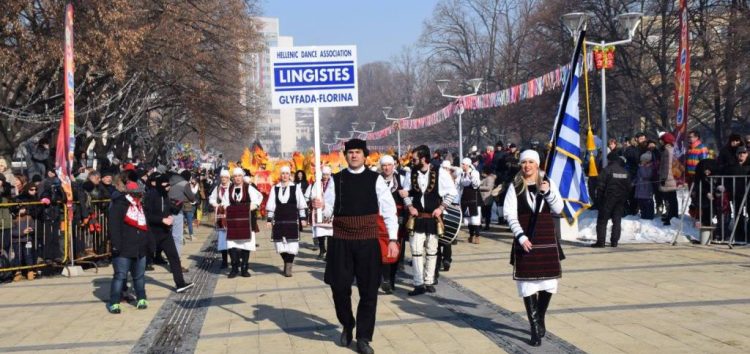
{"x": 576, "y": 22}
{"x": 409, "y": 110}
{"x": 362, "y": 133}
{"x": 475, "y": 84}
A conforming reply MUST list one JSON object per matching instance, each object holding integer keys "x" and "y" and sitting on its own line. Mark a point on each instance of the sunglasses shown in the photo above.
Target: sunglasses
{"x": 32, "y": 189}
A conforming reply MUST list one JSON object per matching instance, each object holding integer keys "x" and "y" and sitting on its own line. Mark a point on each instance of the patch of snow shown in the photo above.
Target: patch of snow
{"x": 637, "y": 230}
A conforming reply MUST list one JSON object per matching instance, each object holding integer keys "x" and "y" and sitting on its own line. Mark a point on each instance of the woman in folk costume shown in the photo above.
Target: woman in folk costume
{"x": 470, "y": 199}
{"x": 286, "y": 212}
{"x": 242, "y": 224}
{"x": 536, "y": 254}
{"x": 396, "y": 185}
{"x": 324, "y": 230}
{"x": 219, "y": 199}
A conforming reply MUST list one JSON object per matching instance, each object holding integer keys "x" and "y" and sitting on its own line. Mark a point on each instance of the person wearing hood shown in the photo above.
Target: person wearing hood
{"x": 242, "y": 223}
{"x": 286, "y": 214}
{"x": 128, "y": 230}
{"x": 667, "y": 182}
{"x": 158, "y": 213}
{"x": 728, "y": 153}
{"x": 613, "y": 191}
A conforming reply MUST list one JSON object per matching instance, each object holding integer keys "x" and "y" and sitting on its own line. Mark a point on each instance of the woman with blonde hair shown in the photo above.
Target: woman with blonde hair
{"x": 536, "y": 252}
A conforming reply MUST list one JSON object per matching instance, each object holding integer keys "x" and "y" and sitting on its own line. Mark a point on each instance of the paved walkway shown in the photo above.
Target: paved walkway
{"x": 634, "y": 299}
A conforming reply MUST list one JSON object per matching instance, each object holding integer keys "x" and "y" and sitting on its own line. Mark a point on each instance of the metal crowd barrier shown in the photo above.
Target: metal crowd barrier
{"x": 80, "y": 239}
{"x": 722, "y": 208}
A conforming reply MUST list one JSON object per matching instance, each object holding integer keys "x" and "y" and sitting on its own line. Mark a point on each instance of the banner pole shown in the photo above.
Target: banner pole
{"x": 318, "y": 167}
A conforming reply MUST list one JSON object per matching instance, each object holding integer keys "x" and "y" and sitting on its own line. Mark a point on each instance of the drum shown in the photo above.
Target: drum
{"x": 452, "y": 218}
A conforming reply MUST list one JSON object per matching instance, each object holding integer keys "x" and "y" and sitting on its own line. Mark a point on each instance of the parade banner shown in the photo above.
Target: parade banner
{"x": 66, "y": 136}
{"x": 682, "y": 93}
{"x": 315, "y": 76}
{"x": 527, "y": 90}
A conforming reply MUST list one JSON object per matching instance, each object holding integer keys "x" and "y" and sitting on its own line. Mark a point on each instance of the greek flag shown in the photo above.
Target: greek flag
{"x": 566, "y": 169}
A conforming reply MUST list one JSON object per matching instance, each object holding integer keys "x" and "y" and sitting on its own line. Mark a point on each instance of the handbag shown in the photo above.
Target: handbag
{"x": 384, "y": 240}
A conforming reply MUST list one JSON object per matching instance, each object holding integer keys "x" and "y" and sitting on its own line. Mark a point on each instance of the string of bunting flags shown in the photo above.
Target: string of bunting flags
{"x": 527, "y": 90}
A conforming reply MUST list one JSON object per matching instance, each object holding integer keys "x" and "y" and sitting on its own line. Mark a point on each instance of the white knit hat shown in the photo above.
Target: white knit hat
{"x": 224, "y": 173}
{"x": 326, "y": 170}
{"x": 445, "y": 164}
{"x": 466, "y": 161}
{"x": 238, "y": 171}
{"x": 530, "y": 155}
{"x": 286, "y": 169}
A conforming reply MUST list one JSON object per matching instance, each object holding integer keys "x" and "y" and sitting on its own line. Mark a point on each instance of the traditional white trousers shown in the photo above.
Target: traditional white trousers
{"x": 424, "y": 248}
{"x": 473, "y": 220}
{"x": 221, "y": 240}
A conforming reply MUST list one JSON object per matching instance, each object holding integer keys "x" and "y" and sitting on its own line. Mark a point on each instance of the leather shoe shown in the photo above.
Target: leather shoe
{"x": 598, "y": 245}
{"x": 364, "y": 347}
{"x": 430, "y": 289}
{"x": 614, "y": 244}
{"x": 418, "y": 291}
{"x": 346, "y": 337}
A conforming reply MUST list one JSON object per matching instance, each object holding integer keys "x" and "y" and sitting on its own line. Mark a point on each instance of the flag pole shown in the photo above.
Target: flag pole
{"x": 556, "y": 131}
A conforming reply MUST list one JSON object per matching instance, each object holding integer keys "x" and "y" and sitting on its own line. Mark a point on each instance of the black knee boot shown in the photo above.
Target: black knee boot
{"x": 234, "y": 256}
{"x": 543, "y": 302}
{"x": 532, "y": 311}
{"x": 224, "y": 263}
{"x": 245, "y": 263}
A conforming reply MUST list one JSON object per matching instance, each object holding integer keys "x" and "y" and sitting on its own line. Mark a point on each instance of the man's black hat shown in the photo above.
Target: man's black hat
{"x": 356, "y": 144}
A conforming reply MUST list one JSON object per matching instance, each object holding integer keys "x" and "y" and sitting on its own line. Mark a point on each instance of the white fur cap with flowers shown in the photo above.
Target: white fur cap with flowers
{"x": 530, "y": 155}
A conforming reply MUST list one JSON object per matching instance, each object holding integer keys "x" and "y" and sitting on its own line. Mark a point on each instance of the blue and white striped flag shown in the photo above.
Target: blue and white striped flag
{"x": 566, "y": 168}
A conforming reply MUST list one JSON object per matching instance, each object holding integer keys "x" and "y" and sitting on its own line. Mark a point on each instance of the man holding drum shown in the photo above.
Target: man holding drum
{"x": 430, "y": 192}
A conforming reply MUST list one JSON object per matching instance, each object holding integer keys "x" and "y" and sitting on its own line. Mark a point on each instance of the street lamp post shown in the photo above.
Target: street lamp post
{"x": 361, "y": 133}
{"x": 409, "y": 110}
{"x": 576, "y": 22}
{"x": 475, "y": 84}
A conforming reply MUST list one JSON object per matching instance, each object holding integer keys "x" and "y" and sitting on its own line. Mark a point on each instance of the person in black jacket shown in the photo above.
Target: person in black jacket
{"x": 613, "y": 190}
{"x": 128, "y": 234}
{"x": 159, "y": 217}
{"x": 737, "y": 188}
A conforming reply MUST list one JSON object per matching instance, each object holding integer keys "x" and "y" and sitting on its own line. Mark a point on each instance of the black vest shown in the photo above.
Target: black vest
{"x": 432, "y": 199}
{"x": 355, "y": 193}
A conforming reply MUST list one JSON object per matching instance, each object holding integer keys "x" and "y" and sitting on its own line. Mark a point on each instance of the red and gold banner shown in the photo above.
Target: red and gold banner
{"x": 682, "y": 89}
{"x": 66, "y": 136}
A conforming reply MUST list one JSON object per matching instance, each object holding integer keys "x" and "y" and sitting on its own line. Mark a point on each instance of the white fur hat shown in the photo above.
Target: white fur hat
{"x": 530, "y": 155}
{"x": 466, "y": 161}
{"x": 224, "y": 173}
{"x": 238, "y": 172}
{"x": 387, "y": 160}
{"x": 286, "y": 169}
{"x": 326, "y": 170}
{"x": 445, "y": 164}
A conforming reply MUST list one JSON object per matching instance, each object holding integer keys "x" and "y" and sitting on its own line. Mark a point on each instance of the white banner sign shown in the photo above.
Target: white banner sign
{"x": 316, "y": 76}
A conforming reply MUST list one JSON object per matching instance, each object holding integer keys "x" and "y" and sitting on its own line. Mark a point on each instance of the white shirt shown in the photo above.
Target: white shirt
{"x": 284, "y": 195}
{"x": 256, "y": 198}
{"x": 224, "y": 197}
{"x": 446, "y": 187}
{"x": 510, "y": 208}
{"x": 386, "y": 204}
